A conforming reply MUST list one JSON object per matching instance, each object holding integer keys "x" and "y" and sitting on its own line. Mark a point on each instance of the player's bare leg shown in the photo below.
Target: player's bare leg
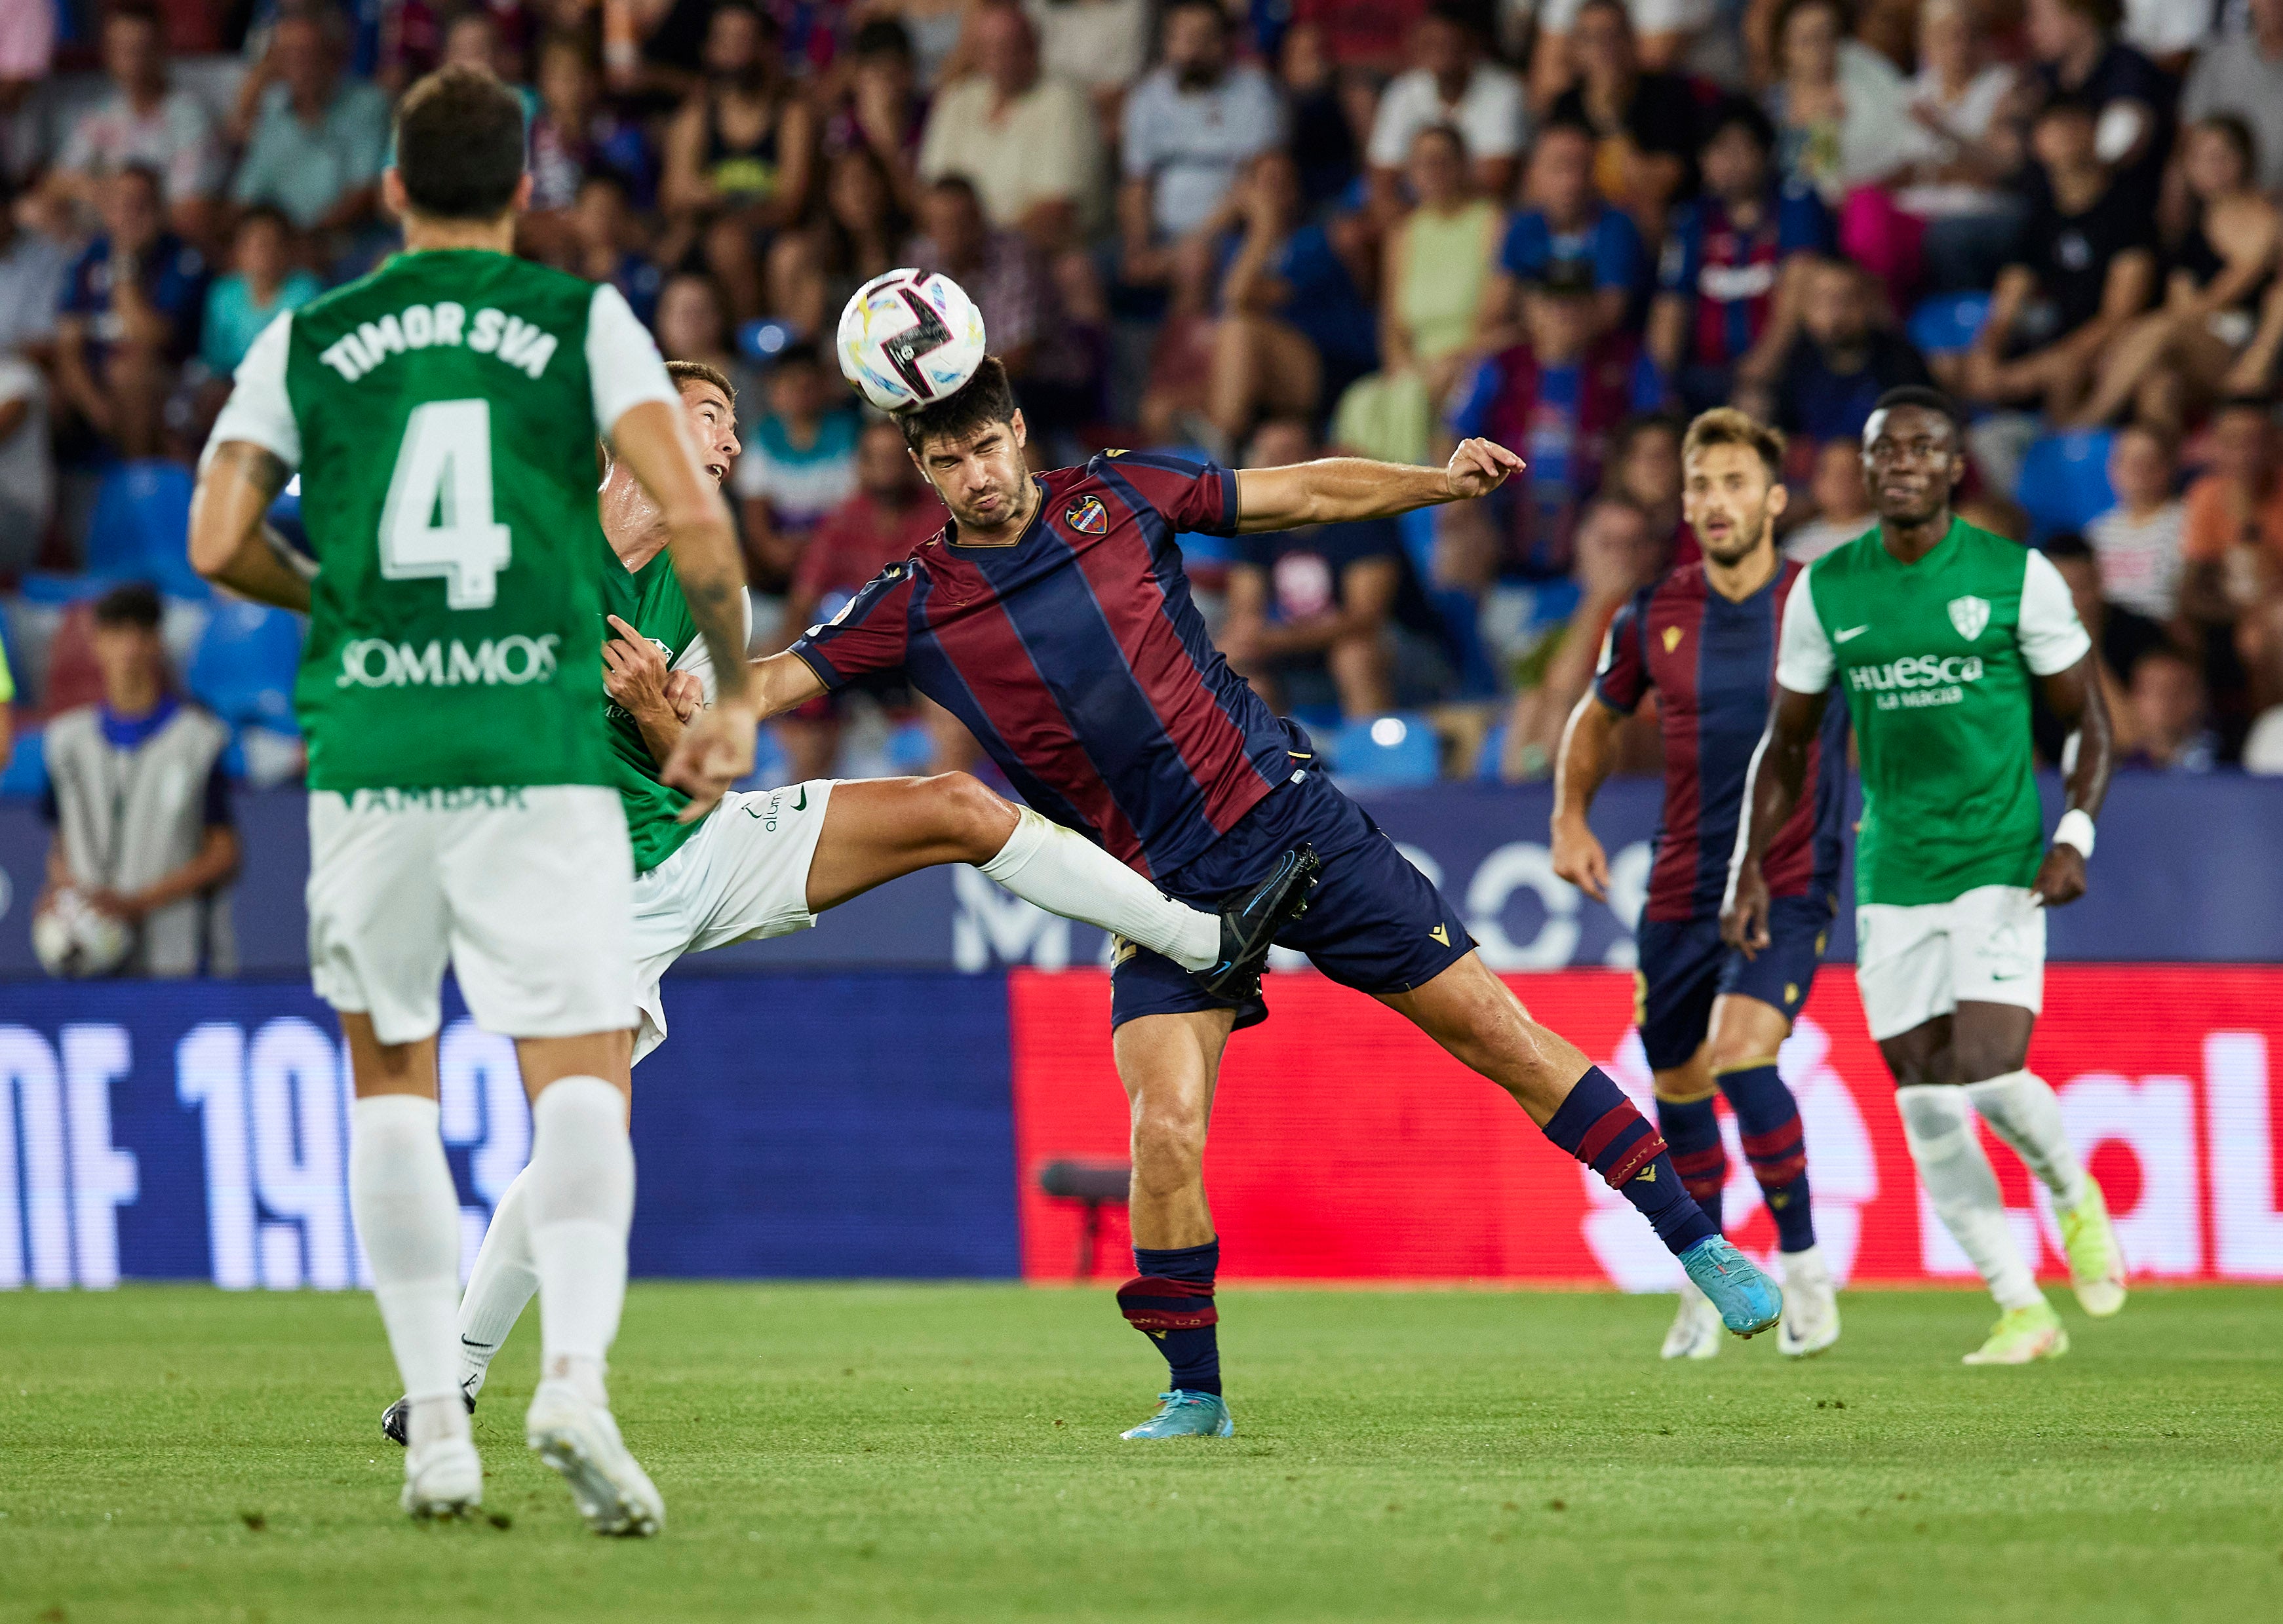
{"x": 579, "y": 1201}
{"x": 1169, "y": 1064}
{"x": 407, "y": 1219}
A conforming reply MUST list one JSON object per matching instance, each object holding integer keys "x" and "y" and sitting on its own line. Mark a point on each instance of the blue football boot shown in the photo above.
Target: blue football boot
{"x": 1182, "y": 1414}
{"x": 1747, "y": 1300}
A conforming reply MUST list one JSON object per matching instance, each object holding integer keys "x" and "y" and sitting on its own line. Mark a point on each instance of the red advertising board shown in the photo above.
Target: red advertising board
{"x": 1346, "y": 1146}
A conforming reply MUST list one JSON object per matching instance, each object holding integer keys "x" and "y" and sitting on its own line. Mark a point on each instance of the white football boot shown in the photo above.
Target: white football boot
{"x": 580, "y": 1440}
{"x": 442, "y": 1479}
{"x": 1696, "y": 1329}
{"x": 1811, "y": 1310}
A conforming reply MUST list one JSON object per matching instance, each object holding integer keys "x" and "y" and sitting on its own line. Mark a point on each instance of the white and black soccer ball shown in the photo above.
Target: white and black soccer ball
{"x": 908, "y": 338}
{"x": 73, "y": 938}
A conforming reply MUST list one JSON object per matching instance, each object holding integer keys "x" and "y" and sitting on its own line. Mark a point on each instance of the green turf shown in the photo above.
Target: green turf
{"x": 881, "y": 1452}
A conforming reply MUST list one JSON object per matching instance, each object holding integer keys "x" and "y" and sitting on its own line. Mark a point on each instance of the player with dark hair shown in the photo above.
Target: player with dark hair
{"x": 1935, "y": 630}
{"x": 442, "y": 412}
{"x": 1052, "y": 617}
{"x": 1712, "y": 1016}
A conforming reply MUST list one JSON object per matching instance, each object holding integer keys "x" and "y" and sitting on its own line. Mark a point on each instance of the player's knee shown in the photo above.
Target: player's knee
{"x": 974, "y": 820}
{"x": 1169, "y": 1148}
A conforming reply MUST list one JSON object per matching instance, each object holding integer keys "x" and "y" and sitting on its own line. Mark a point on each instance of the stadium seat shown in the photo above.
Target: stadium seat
{"x": 243, "y": 670}
{"x": 1948, "y": 322}
{"x": 140, "y": 527}
{"x": 26, "y": 772}
{"x": 2064, "y": 481}
{"x": 1387, "y": 752}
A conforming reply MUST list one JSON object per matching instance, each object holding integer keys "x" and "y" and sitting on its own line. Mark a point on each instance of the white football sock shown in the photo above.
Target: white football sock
{"x": 408, "y": 1217}
{"x": 500, "y": 1283}
{"x": 1939, "y": 1127}
{"x": 2023, "y": 1109}
{"x": 582, "y": 1203}
{"x": 1064, "y": 872}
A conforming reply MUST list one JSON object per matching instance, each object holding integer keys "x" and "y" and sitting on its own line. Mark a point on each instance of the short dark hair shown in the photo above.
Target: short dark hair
{"x": 986, "y": 398}
{"x": 2236, "y": 130}
{"x": 2069, "y": 104}
{"x": 1926, "y": 399}
{"x": 1790, "y": 9}
{"x": 2067, "y": 544}
{"x": 882, "y": 37}
{"x": 698, "y": 372}
{"x": 1725, "y": 425}
{"x": 459, "y": 144}
{"x": 1738, "y": 112}
{"x": 265, "y": 215}
{"x": 1620, "y": 442}
{"x": 134, "y": 10}
{"x": 800, "y": 353}
{"x": 134, "y": 603}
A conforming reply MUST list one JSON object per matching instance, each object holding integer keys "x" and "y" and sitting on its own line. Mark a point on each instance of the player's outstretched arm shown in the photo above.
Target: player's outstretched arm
{"x": 783, "y": 682}
{"x": 1588, "y": 751}
{"x": 1342, "y": 490}
{"x": 1772, "y": 789}
{"x": 2074, "y": 695}
{"x": 229, "y": 544}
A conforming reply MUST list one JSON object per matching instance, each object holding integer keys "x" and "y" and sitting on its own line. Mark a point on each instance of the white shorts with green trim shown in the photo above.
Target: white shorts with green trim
{"x": 743, "y": 876}
{"x": 523, "y": 891}
{"x": 1986, "y": 946}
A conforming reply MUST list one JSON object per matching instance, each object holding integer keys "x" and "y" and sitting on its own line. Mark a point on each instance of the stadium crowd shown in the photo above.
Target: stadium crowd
{"x": 1252, "y": 230}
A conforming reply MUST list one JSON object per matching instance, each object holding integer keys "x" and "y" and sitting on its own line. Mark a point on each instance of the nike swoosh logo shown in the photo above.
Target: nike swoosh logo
{"x": 1852, "y": 631}
{"x": 469, "y": 1341}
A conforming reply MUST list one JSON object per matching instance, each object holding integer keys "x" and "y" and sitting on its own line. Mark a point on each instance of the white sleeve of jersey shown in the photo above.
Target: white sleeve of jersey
{"x": 622, "y": 363}
{"x": 699, "y": 661}
{"x": 258, "y": 410}
{"x": 1803, "y": 657}
{"x": 2052, "y": 637}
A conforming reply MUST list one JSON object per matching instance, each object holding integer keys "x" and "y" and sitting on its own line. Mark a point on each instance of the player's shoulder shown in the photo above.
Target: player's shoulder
{"x": 1681, "y": 585}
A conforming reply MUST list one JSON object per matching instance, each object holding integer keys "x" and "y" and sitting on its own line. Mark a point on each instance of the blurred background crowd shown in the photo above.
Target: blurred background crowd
{"x": 1254, "y": 230}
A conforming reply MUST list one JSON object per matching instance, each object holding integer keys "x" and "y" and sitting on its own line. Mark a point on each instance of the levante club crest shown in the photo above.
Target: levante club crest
{"x": 1087, "y": 514}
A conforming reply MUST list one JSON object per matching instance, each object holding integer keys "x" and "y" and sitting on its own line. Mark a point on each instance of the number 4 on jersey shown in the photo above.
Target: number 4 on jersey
{"x": 438, "y": 516}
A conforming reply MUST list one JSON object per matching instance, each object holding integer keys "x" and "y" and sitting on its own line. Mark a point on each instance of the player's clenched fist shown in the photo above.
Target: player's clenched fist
{"x": 633, "y": 672}
{"x": 1744, "y": 917}
{"x": 716, "y": 751}
{"x": 1479, "y": 467}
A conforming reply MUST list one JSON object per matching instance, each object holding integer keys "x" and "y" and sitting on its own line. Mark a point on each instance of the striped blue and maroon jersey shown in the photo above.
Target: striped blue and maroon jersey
{"x": 1078, "y": 660}
{"x": 1713, "y": 664}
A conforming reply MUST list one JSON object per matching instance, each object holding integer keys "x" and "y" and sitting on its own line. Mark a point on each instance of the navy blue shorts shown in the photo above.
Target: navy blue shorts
{"x": 1685, "y": 966}
{"x": 1374, "y": 922}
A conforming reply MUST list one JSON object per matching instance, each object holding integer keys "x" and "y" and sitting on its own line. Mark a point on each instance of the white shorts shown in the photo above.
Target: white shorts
{"x": 1987, "y": 946}
{"x": 524, "y": 891}
{"x": 742, "y": 877}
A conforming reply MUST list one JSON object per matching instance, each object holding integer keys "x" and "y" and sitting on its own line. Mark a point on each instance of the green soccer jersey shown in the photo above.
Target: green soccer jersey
{"x": 651, "y": 600}
{"x": 442, "y": 412}
{"x": 1935, "y": 660}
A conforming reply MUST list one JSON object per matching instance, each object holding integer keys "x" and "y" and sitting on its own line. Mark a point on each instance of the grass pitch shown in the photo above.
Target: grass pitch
{"x": 884, "y": 1452}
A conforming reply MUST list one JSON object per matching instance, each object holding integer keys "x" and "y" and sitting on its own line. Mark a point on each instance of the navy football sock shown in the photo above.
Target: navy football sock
{"x": 1171, "y": 1303}
{"x": 1598, "y": 1125}
{"x": 1768, "y": 1118}
{"x": 1692, "y": 1134}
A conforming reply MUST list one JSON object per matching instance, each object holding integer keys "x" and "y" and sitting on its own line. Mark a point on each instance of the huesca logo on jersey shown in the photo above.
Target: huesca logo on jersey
{"x": 1917, "y": 681}
{"x": 505, "y": 662}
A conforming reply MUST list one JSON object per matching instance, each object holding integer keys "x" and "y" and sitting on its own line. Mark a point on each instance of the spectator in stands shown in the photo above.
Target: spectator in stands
{"x": 1730, "y": 279}
{"x": 1840, "y": 107}
{"x": 2079, "y": 56}
{"x": 2120, "y": 638}
{"x": 1368, "y": 36}
{"x": 315, "y": 139}
{"x": 2169, "y": 363}
{"x": 131, "y": 314}
{"x": 1558, "y": 399}
{"x": 1965, "y": 149}
{"x": 742, "y": 146}
{"x": 889, "y": 516}
{"x": 1663, "y": 32}
{"x": 2085, "y": 267}
{"x": 262, "y": 282}
{"x": 1643, "y": 466}
{"x": 1564, "y": 218}
{"x": 862, "y": 232}
{"x": 139, "y": 803}
{"x": 1451, "y": 85}
{"x": 1029, "y": 143}
{"x": 2138, "y": 541}
{"x": 1644, "y": 123}
{"x": 1311, "y": 612}
{"x": 1841, "y": 501}
{"x": 27, "y": 52}
{"x": 145, "y": 120}
{"x": 885, "y": 113}
{"x": 603, "y": 242}
{"x": 1327, "y": 134}
{"x": 576, "y": 134}
{"x": 476, "y": 39}
{"x": 27, "y": 475}
{"x": 33, "y": 270}
{"x": 799, "y": 462}
{"x": 1844, "y": 358}
{"x": 2232, "y": 529}
{"x": 693, "y": 325}
{"x": 1619, "y": 553}
{"x": 1293, "y": 327}
{"x": 2245, "y": 77}
{"x": 2259, "y": 642}
{"x": 1011, "y": 283}
{"x": 1436, "y": 268}
{"x": 2166, "y": 703}
{"x": 1101, "y": 46}
{"x": 1190, "y": 128}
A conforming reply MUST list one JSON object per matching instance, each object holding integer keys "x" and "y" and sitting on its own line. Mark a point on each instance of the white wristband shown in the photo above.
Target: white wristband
{"x": 2076, "y": 829}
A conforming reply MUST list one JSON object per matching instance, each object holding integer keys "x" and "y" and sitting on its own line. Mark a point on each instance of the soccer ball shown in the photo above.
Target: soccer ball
{"x": 72, "y": 937}
{"x": 908, "y": 338}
